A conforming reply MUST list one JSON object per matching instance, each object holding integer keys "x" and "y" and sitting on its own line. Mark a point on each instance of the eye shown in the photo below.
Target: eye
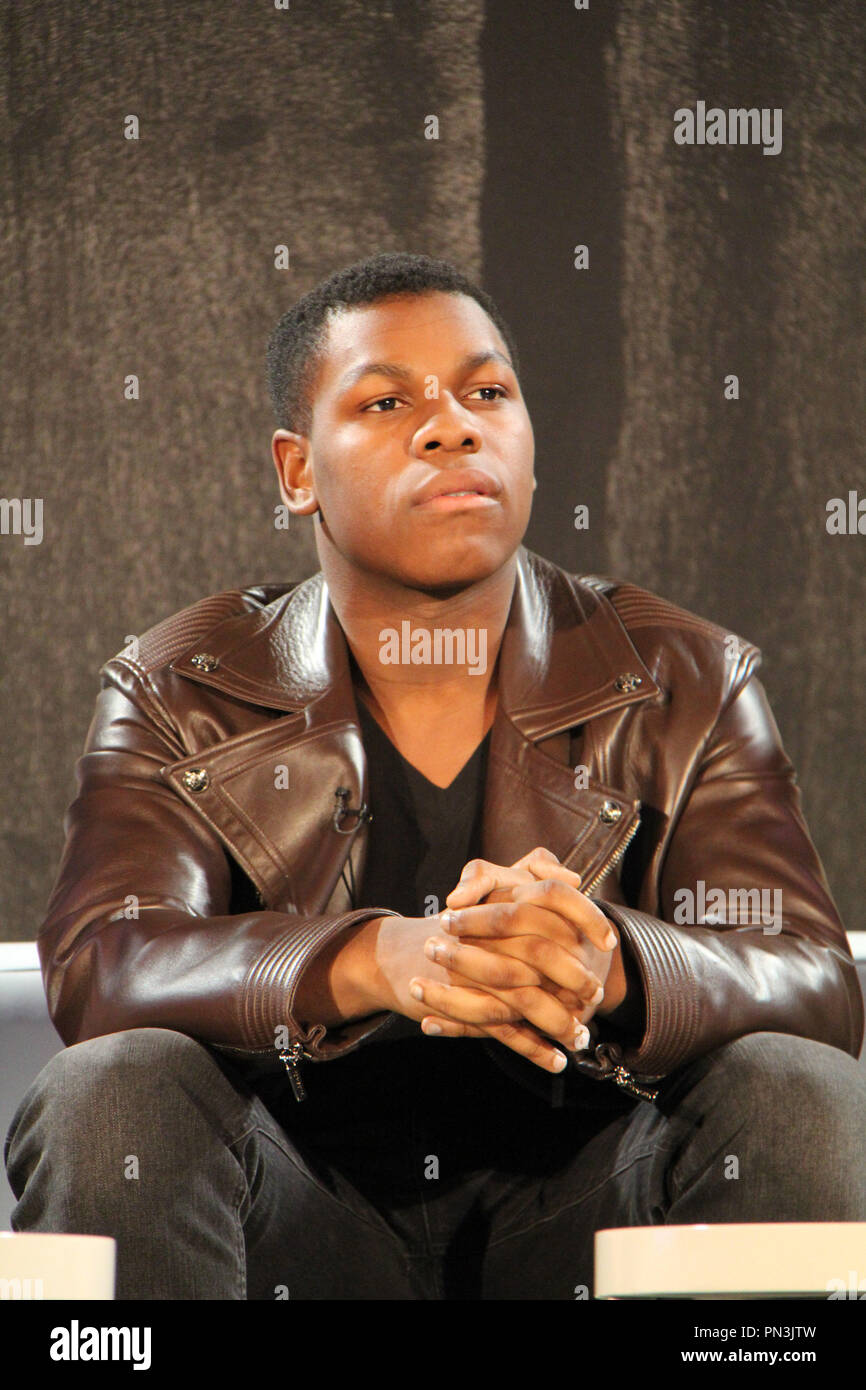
{"x": 386, "y": 404}
{"x": 500, "y": 390}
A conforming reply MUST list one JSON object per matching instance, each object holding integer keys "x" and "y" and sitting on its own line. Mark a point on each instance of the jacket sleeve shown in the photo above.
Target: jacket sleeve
{"x": 140, "y": 931}
{"x": 710, "y": 976}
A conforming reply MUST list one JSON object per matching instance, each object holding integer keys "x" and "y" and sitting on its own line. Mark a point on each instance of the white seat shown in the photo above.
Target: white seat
{"x": 762, "y": 1259}
{"x": 37, "y": 1265}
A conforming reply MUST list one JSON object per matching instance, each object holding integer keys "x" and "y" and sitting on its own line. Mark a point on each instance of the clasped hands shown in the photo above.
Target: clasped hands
{"x": 528, "y": 958}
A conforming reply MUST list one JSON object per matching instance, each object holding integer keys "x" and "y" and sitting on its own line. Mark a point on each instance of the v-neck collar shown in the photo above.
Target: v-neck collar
{"x": 369, "y": 724}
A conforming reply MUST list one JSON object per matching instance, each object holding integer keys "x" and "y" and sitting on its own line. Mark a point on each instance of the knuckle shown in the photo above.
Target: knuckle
{"x": 526, "y": 996}
{"x": 569, "y": 998}
{"x": 502, "y": 1012}
{"x": 537, "y": 950}
{"x": 508, "y": 974}
{"x": 473, "y": 867}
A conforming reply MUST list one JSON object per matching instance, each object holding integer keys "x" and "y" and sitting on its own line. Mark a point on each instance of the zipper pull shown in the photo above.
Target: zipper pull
{"x": 609, "y": 1055}
{"x": 625, "y": 1079}
{"x": 290, "y": 1057}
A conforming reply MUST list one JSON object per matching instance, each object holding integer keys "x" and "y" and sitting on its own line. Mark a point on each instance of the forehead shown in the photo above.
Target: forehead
{"x": 413, "y": 329}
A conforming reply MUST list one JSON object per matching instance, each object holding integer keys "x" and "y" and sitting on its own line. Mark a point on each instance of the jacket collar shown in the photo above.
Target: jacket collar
{"x": 565, "y": 655}
{"x": 565, "y": 658}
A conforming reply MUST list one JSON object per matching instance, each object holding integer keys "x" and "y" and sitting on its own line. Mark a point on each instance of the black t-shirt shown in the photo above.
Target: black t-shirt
{"x": 366, "y": 1110}
{"x": 422, "y": 835}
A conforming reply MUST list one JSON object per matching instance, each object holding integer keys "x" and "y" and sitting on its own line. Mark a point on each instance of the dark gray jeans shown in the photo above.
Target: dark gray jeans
{"x": 143, "y": 1136}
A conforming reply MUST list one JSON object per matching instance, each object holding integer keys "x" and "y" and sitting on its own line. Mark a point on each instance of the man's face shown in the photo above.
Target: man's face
{"x": 411, "y": 391}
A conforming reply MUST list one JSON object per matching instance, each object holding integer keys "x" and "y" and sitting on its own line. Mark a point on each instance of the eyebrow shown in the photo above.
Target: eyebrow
{"x": 401, "y": 373}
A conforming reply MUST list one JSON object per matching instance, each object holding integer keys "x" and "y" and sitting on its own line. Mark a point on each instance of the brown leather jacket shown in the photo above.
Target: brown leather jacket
{"x": 207, "y": 846}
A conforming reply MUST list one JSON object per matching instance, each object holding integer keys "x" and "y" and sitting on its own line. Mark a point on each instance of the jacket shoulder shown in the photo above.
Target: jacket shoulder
{"x": 639, "y": 608}
{"x": 673, "y": 641}
{"x": 160, "y": 644}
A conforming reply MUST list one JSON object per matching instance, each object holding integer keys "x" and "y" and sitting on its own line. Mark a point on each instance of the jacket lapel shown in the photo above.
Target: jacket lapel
{"x": 271, "y": 793}
{"x": 565, "y": 658}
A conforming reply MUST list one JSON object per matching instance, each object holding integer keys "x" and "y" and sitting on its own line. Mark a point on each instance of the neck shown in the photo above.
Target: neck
{"x": 373, "y": 611}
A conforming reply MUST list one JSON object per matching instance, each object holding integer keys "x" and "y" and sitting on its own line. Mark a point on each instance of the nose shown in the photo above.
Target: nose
{"x": 449, "y": 427}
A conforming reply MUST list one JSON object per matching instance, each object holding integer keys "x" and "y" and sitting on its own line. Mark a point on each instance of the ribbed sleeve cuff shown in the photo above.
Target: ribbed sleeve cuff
{"x": 271, "y": 986}
{"x": 669, "y": 992}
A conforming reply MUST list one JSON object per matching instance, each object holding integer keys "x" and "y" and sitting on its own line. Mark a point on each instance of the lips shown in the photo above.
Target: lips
{"x": 473, "y": 480}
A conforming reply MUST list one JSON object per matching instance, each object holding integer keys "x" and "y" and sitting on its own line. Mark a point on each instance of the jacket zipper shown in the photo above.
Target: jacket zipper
{"x": 612, "y": 859}
{"x": 610, "y": 1054}
{"x": 625, "y": 1079}
{"x": 290, "y": 1057}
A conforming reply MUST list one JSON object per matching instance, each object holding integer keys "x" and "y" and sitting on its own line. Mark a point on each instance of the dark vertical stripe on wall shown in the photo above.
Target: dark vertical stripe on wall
{"x": 705, "y": 261}
{"x": 553, "y": 181}
{"x": 736, "y": 262}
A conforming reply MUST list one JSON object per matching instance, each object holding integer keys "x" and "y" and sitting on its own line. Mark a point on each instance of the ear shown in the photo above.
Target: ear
{"x": 290, "y": 453}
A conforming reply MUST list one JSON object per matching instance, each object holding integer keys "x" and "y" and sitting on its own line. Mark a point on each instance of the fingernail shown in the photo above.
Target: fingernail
{"x": 560, "y": 1061}
{"x": 610, "y": 941}
{"x": 598, "y": 996}
{"x": 432, "y": 1027}
{"x": 416, "y": 991}
{"x": 449, "y": 920}
{"x": 581, "y": 1039}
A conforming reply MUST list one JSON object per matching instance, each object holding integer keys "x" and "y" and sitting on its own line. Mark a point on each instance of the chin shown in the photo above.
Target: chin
{"x": 458, "y": 573}
{"x": 445, "y": 590}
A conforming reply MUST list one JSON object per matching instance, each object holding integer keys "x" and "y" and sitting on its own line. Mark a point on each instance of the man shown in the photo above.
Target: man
{"x": 302, "y": 1059}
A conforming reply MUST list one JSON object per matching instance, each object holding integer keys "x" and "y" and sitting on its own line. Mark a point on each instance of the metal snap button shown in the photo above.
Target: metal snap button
{"x": 610, "y": 813}
{"x": 195, "y": 779}
{"x": 203, "y": 661}
{"x": 628, "y": 681}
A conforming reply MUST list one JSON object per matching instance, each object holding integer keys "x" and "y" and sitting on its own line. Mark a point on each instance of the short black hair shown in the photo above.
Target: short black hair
{"x": 296, "y": 345}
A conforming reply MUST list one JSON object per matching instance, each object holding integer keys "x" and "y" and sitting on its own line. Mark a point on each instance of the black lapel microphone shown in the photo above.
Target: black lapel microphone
{"x": 341, "y": 810}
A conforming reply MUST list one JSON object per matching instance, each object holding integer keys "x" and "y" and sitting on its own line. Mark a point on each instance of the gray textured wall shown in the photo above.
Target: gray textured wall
{"x": 737, "y": 262}
{"x": 156, "y": 257}
{"x": 704, "y": 261}
{"x": 306, "y": 127}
